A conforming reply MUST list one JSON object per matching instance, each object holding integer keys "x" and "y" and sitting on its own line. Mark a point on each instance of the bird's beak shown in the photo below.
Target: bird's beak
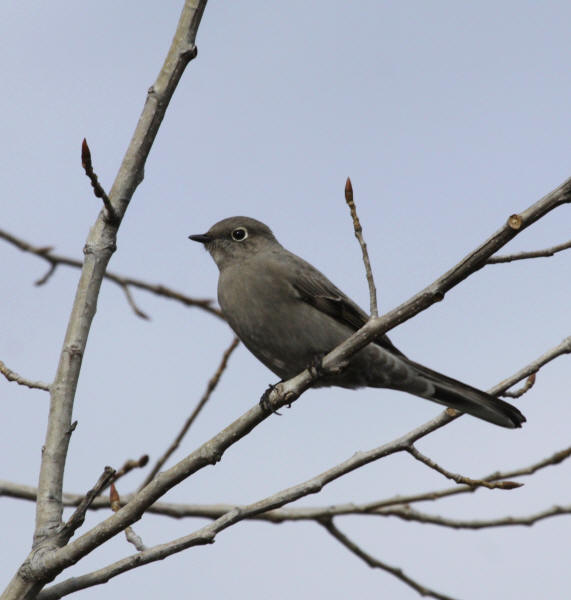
{"x": 203, "y": 238}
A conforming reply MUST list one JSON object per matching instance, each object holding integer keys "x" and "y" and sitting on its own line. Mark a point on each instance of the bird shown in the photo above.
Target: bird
{"x": 288, "y": 314}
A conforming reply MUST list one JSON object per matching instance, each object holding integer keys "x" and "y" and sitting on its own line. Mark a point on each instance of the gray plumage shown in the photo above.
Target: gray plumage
{"x": 288, "y": 314}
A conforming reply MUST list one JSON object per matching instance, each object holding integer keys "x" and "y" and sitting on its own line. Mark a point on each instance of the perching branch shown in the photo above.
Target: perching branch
{"x": 209, "y": 453}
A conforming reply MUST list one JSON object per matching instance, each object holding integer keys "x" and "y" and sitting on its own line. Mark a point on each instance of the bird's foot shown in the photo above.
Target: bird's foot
{"x": 315, "y": 367}
{"x": 265, "y": 403}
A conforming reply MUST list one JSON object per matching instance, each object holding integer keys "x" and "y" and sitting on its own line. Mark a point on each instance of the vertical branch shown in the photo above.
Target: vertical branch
{"x": 98, "y": 249}
{"x": 359, "y": 235}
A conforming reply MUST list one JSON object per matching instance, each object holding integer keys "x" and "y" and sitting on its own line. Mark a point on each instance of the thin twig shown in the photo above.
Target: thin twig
{"x": 78, "y": 516}
{"x": 132, "y": 304}
{"x": 377, "y": 564}
{"x": 128, "y": 466}
{"x": 97, "y": 187}
{"x": 201, "y": 403}
{"x": 132, "y": 537}
{"x": 501, "y": 485}
{"x": 13, "y": 376}
{"x": 359, "y": 235}
{"x": 46, "y": 253}
{"x": 408, "y": 514}
{"x": 44, "y": 278}
{"x": 281, "y": 515}
{"x": 533, "y": 254}
{"x": 563, "y": 348}
{"x": 529, "y": 383}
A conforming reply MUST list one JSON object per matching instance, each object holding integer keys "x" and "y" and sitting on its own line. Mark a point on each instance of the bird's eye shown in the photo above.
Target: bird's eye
{"x": 239, "y": 234}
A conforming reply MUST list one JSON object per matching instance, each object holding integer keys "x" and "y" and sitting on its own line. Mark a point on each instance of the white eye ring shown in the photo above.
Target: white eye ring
{"x": 239, "y": 234}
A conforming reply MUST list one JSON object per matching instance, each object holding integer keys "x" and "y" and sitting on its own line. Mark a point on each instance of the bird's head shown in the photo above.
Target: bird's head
{"x": 235, "y": 239}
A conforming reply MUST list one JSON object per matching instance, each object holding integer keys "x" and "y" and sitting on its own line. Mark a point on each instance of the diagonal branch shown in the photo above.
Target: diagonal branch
{"x": 377, "y": 564}
{"x": 78, "y": 517}
{"x": 502, "y": 485}
{"x": 209, "y": 453}
{"x": 97, "y": 187}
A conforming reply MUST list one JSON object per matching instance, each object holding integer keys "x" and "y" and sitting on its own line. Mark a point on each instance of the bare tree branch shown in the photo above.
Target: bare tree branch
{"x": 377, "y": 564}
{"x": 209, "y": 453}
{"x": 133, "y": 305}
{"x": 13, "y": 376}
{"x": 78, "y": 517}
{"x": 502, "y": 485}
{"x": 25, "y": 492}
{"x": 132, "y": 537}
{"x": 409, "y": 514}
{"x": 201, "y": 403}
{"x": 359, "y": 235}
{"x": 533, "y": 254}
{"x": 99, "y": 247}
{"x": 45, "y": 252}
{"x": 127, "y": 467}
{"x": 214, "y": 511}
{"x": 207, "y": 534}
{"x": 529, "y": 383}
{"x": 97, "y": 187}
{"x": 563, "y": 348}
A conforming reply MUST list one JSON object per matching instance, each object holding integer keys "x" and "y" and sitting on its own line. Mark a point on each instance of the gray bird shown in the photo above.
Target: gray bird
{"x": 289, "y": 315}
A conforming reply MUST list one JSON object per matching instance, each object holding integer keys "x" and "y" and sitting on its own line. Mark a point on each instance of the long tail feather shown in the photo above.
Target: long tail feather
{"x": 468, "y": 399}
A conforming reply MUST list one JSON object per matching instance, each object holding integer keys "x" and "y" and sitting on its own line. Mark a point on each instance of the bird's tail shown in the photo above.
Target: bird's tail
{"x": 463, "y": 397}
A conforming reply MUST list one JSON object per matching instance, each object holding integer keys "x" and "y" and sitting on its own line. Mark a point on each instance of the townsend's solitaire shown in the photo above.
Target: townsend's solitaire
{"x": 289, "y": 315}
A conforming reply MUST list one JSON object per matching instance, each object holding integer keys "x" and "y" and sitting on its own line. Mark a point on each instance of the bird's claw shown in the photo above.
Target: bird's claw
{"x": 265, "y": 402}
{"x": 315, "y": 367}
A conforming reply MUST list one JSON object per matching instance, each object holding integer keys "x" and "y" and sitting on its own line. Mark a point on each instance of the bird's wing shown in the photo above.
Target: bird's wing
{"x": 315, "y": 289}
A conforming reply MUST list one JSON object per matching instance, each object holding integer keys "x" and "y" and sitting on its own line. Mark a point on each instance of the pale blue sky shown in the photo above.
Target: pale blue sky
{"x": 448, "y": 117}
